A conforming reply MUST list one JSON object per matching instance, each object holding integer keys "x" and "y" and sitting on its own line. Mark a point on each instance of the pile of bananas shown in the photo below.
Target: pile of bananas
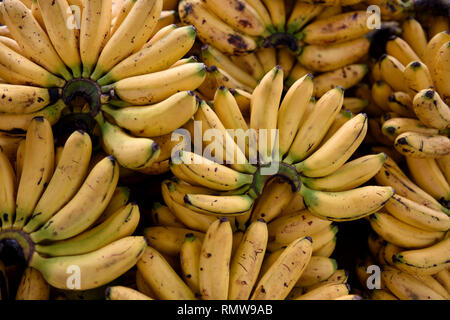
{"x": 58, "y": 213}
{"x": 122, "y": 65}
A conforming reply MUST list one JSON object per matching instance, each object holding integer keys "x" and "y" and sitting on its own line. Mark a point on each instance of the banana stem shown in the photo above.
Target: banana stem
{"x": 20, "y": 242}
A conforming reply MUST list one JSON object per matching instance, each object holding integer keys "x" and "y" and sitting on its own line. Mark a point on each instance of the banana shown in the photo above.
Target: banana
{"x": 443, "y": 277}
{"x": 394, "y": 127}
{"x": 263, "y": 13}
{"x": 381, "y": 91}
{"x": 392, "y": 9}
{"x": 330, "y": 57}
{"x": 221, "y": 205}
{"x": 240, "y": 16}
{"x": 286, "y": 60}
{"x": 401, "y": 104}
{"x": 94, "y": 30}
{"x": 339, "y": 276}
{"x": 426, "y": 173}
{"x": 37, "y": 170}
{"x": 124, "y": 293}
{"x": 119, "y": 12}
{"x": 431, "y": 109}
{"x": 318, "y": 269}
{"x": 423, "y": 262}
{"x": 349, "y": 297}
{"x": 130, "y": 36}
{"x": 130, "y": 152}
{"x": 155, "y": 57}
{"x": 293, "y": 108}
{"x": 444, "y": 165}
{"x": 32, "y": 286}
{"x": 392, "y": 71}
{"x": 265, "y": 103}
{"x": 419, "y": 145}
{"x": 438, "y": 24}
{"x": 388, "y": 251}
{"x": 406, "y": 287}
{"x": 441, "y": 71}
{"x": 277, "y": 11}
{"x": 402, "y": 234}
{"x": 189, "y": 260}
{"x": 25, "y": 99}
{"x": 278, "y": 281}
{"x": 312, "y": 131}
{"x": 10, "y": 43}
{"x": 381, "y": 294}
{"x": 417, "y": 215}
{"x": 19, "y": 160}
{"x": 214, "y": 262}
{"x": 415, "y": 36}
{"x": 354, "y": 104}
{"x": 417, "y": 77}
{"x": 67, "y": 178}
{"x": 346, "y": 205}
{"x": 328, "y": 291}
{"x": 7, "y": 191}
{"x": 4, "y": 30}
{"x": 97, "y": 268}
{"x": 298, "y": 71}
{"x": 432, "y": 283}
{"x": 249, "y": 63}
{"x": 327, "y": 249}
{"x": 119, "y": 199}
{"x": 85, "y": 207}
{"x": 161, "y": 215}
{"x": 301, "y": 14}
{"x": 212, "y": 30}
{"x": 152, "y": 121}
{"x": 32, "y": 39}
{"x": 342, "y": 27}
{"x": 16, "y": 69}
{"x": 246, "y": 263}
{"x": 345, "y": 77}
{"x": 275, "y": 196}
{"x": 401, "y": 50}
{"x": 179, "y": 189}
{"x": 65, "y": 40}
{"x": 337, "y": 150}
{"x": 349, "y": 176}
{"x": 433, "y": 47}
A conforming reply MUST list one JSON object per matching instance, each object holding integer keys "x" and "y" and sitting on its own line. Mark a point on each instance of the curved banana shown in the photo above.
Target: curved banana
{"x": 443, "y": 277}
{"x": 327, "y": 249}
{"x": 444, "y": 165}
{"x": 222, "y": 205}
{"x": 278, "y": 281}
{"x": 7, "y": 191}
{"x": 95, "y": 28}
{"x": 337, "y": 150}
{"x": 25, "y": 99}
{"x": 95, "y": 269}
{"x": 394, "y": 127}
{"x": 32, "y": 286}
{"x": 118, "y": 200}
{"x": 161, "y": 215}
{"x": 354, "y": 104}
{"x": 381, "y": 91}
{"x": 417, "y": 77}
{"x": 246, "y": 263}
{"x": 349, "y": 176}
{"x": 301, "y": 14}
{"x": 345, "y": 77}
{"x": 392, "y": 71}
{"x": 328, "y": 291}
{"x": 121, "y": 224}
{"x": 433, "y": 46}
{"x": 85, "y": 207}
{"x": 381, "y": 294}
{"x": 401, "y": 50}
{"x": 441, "y": 72}
{"x": 130, "y": 152}
{"x": 65, "y": 181}
{"x": 131, "y": 35}
{"x": 214, "y": 263}
{"x": 249, "y": 63}
{"x": 158, "y": 56}
{"x": 431, "y": 109}
{"x": 401, "y": 104}
{"x": 418, "y": 145}
{"x": 318, "y": 269}
{"x": 312, "y": 130}
{"x": 169, "y": 240}
{"x": 402, "y": 234}
{"x": 38, "y": 168}
{"x": 189, "y": 260}
{"x": 277, "y": 11}
{"x": 346, "y": 205}
{"x": 415, "y": 36}
{"x": 124, "y": 293}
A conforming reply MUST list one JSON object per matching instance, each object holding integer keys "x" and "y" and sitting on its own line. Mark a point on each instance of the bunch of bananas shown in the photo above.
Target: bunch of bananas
{"x": 184, "y": 264}
{"x": 121, "y": 61}
{"x": 58, "y": 214}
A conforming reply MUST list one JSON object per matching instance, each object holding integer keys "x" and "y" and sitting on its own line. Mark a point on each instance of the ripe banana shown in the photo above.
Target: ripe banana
{"x": 394, "y": 127}
{"x": 246, "y": 263}
{"x": 124, "y": 293}
{"x": 169, "y": 240}
{"x": 349, "y": 176}
{"x": 277, "y": 12}
{"x": 444, "y": 165}
{"x": 392, "y": 71}
{"x": 25, "y": 99}
{"x": 381, "y": 294}
{"x": 189, "y": 260}
{"x": 354, "y": 104}
{"x": 433, "y": 46}
{"x": 415, "y": 36}
{"x": 161, "y": 215}
{"x": 401, "y": 104}
{"x": 85, "y": 207}
{"x": 219, "y": 205}
{"x": 32, "y": 286}
{"x": 419, "y": 145}
{"x": 214, "y": 263}
{"x": 327, "y": 249}
{"x": 7, "y": 192}
{"x": 441, "y": 71}
{"x": 417, "y": 77}
{"x": 298, "y": 71}
{"x": 400, "y": 49}
{"x": 328, "y": 291}
{"x": 337, "y": 150}
{"x": 345, "y": 77}
{"x": 402, "y": 234}
{"x": 278, "y": 281}
{"x": 431, "y": 109}
{"x": 65, "y": 181}
{"x": 119, "y": 199}
{"x": 96, "y": 268}
{"x": 130, "y": 36}
{"x": 318, "y": 269}
{"x": 249, "y": 63}
{"x": 301, "y": 14}
{"x": 381, "y": 91}
{"x": 37, "y": 170}
{"x": 443, "y": 277}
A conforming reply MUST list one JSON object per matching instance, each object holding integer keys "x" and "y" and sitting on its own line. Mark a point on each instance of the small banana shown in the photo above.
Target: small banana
{"x": 431, "y": 109}
{"x": 161, "y": 215}
{"x": 221, "y": 205}
{"x": 25, "y": 99}
{"x": 318, "y": 269}
{"x": 415, "y": 36}
{"x": 189, "y": 260}
{"x": 354, "y": 104}
{"x": 169, "y": 240}
{"x": 444, "y": 165}
{"x": 400, "y": 49}
{"x": 124, "y": 293}
{"x": 433, "y": 46}
{"x": 301, "y": 14}
{"x": 277, "y": 12}
{"x": 345, "y": 77}
{"x": 417, "y": 78}
{"x": 441, "y": 72}
{"x": 381, "y": 91}
{"x": 119, "y": 199}
{"x": 392, "y": 71}
{"x": 7, "y": 191}
{"x": 394, "y": 127}
{"x": 32, "y": 286}
{"x": 327, "y": 249}
{"x": 419, "y": 145}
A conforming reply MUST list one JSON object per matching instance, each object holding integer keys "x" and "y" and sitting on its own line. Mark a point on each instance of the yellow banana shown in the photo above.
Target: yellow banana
{"x": 443, "y": 277}
{"x": 401, "y": 104}
{"x": 328, "y": 291}
{"x": 246, "y": 263}
{"x": 168, "y": 240}
{"x": 120, "y": 11}
{"x": 7, "y": 191}
{"x": 211, "y": 29}
{"x": 85, "y": 207}
{"x": 189, "y": 260}
{"x": 327, "y": 249}
{"x": 419, "y": 145}
{"x": 221, "y": 205}
{"x": 130, "y": 36}
{"x": 124, "y": 293}
{"x": 94, "y": 30}
{"x": 286, "y": 60}
{"x": 119, "y": 199}
{"x": 345, "y": 77}
{"x": 354, "y": 104}
{"x": 268, "y": 58}
{"x": 433, "y": 46}
{"x": 394, "y": 127}
{"x": 214, "y": 263}
{"x": 25, "y": 99}
{"x": 298, "y": 71}
{"x": 415, "y": 36}
{"x": 400, "y": 49}
{"x": 65, "y": 181}
{"x": 402, "y": 234}
{"x": 301, "y": 14}
{"x": 32, "y": 39}
{"x": 381, "y": 91}
{"x": 262, "y": 12}
{"x": 431, "y": 109}
{"x": 10, "y": 43}
{"x": 441, "y": 71}
{"x": 278, "y": 281}
{"x": 417, "y": 77}
{"x": 277, "y": 12}
{"x": 249, "y": 63}
{"x": 381, "y": 294}
{"x": 161, "y": 215}
{"x": 32, "y": 286}
{"x": 155, "y": 57}
{"x": 417, "y": 215}
{"x": 349, "y": 176}
{"x": 97, "y": 268}
{"x": 318, "y": 269}
{"x": 392, "y": 71}
{"x": 444, "y": 165}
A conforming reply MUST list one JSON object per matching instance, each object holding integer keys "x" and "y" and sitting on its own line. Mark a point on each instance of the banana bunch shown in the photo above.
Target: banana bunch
{"x": 122, "y": 63}
{"x": 71, "y": 224}
{"x": 218, "y": 263}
